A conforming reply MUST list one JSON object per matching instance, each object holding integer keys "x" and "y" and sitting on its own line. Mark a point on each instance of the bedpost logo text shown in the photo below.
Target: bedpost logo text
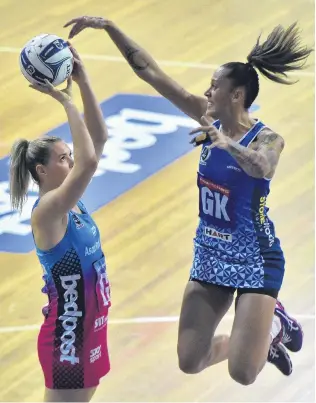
{"x": 69, "y": 318}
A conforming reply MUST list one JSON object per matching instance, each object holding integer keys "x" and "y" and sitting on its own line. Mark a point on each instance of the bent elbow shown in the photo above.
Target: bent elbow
{"x": 91, "y": 164}
{"x": 103, "y": 139}
{"x": 104, "y": 135}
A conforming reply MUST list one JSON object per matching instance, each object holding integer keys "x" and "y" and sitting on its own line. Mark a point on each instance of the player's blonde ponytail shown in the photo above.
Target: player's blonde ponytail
{"x": 19, "y": 174}
{"x": 25, "y": 156}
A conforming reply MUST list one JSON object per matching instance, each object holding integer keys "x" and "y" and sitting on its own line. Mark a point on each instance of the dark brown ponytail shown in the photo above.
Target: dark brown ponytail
{"x": 280, "y": 53}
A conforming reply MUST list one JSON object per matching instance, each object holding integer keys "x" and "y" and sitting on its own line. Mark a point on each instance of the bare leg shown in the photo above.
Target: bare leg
{"x": 250, "y": 337}
{"x": 69, "y": 395}
{"x": 203, "y": 307}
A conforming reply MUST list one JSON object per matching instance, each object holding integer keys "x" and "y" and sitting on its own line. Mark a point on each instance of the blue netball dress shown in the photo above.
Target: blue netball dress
{"x": 235, "y": 243}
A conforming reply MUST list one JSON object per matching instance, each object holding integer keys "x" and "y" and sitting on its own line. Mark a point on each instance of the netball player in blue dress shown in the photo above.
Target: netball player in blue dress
{"x": 235, "y": 248}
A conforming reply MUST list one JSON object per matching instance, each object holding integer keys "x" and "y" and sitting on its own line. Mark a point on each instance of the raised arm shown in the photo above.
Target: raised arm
{"x": 144, "y": 66}
{"x": 92, "y": 112}
{"x": 56, "y": 203}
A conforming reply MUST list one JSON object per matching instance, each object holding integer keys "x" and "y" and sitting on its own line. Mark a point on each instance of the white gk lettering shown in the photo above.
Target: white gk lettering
{"x": 214, "y": 204}
{"x": 69, "y": 318}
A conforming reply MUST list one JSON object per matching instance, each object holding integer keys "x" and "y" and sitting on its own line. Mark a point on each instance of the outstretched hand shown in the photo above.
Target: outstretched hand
{"x": 81, "y": 23}
{"x": 209, "y": 133}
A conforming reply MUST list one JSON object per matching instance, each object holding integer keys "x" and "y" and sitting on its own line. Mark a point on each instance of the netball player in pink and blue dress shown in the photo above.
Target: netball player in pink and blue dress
{"x": 72, "y": 343}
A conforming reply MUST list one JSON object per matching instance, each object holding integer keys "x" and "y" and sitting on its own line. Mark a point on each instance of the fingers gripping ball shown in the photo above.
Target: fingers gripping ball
{"x": 46, "y": 57}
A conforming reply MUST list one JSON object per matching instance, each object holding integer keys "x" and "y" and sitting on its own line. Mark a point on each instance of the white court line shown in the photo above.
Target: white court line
{"x": 167, "y": 63}
{"x": 143, "y": 320}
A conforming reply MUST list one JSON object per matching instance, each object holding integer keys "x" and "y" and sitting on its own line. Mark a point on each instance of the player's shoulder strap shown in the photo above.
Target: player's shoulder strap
{"x": 82, "y": 207}
{"x": 251, "y": 135}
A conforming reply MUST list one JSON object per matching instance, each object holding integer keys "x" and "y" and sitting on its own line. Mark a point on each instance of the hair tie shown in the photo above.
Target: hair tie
{"x": 250, "y": 65}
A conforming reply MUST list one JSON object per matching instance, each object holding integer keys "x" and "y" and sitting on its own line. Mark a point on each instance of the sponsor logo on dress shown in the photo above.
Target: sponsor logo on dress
{"x": 100, "y": 323}
{"x": 95, "y": 354}
{"x": 213, "y": 233}
{"x": 69, "y": 319}
{"x": 94, "y": 230}
{"x": 92, "y": 249}
{"x": 264, "y": 223}
{"x": 77, "y": 221}
{"x": 205, "y": 155}
{"x": 234, "y": 168}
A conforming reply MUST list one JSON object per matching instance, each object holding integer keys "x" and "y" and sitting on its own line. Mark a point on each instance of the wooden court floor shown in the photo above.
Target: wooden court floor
{"x": 147, "y": 233}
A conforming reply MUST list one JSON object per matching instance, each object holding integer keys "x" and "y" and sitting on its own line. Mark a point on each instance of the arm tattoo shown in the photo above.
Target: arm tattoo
{"x": 268, "y": 140}
{"x": 130, "y": 54}
{"x": 259, "y": 162}
{"x": 252, "y": 162}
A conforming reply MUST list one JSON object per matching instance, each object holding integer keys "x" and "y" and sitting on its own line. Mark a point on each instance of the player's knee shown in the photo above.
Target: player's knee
{"x": 188, "y": 362}
{"x": 245, "y": 375}
{"x": 188, "y": 366}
